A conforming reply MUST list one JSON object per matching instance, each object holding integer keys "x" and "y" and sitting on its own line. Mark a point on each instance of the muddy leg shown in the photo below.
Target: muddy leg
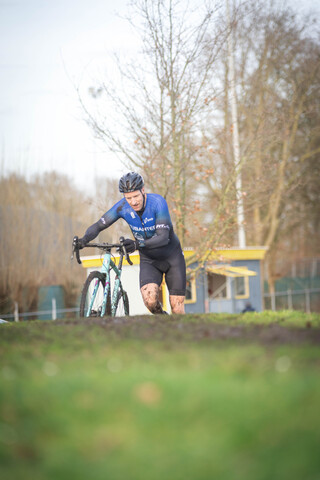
{"x": 150, "y": 295}
{"x": 177, "y": 303}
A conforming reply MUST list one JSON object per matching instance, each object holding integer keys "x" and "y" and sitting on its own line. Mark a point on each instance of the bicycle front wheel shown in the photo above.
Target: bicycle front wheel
{"x": 122, "y": 307}
{"x": 92, "y": 296}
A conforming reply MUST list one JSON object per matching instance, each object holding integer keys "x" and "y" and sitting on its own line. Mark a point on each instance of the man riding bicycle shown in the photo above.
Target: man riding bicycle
{"x": 159, "y": 247}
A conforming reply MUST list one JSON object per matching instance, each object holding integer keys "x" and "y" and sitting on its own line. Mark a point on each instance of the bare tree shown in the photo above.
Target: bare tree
{"x": 38, "y": 219}
{"x": 278, "y": 81}
{"x": 156, "y": 115}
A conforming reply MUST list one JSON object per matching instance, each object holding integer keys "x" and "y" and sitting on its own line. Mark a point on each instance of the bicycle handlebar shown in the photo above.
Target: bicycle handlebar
{"x": 102, "y": 246}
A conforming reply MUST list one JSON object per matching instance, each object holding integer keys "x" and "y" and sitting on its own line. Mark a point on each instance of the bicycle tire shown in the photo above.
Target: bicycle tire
{"x": 87, "y": 294}
{"x": 122, "y": 304}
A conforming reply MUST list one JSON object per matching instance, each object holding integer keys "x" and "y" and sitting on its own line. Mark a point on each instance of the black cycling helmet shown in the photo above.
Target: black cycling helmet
{"x": 130, "y": 182}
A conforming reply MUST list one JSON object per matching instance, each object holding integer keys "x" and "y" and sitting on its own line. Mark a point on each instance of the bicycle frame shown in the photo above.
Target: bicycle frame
{"x": 107, "y": 265}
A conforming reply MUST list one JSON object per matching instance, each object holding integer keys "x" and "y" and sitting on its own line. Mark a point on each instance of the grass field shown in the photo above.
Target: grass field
{"x": 196, "y": 397}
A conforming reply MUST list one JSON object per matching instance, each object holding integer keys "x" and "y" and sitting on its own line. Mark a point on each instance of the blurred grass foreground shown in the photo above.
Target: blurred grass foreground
{"x": 193, "y": 397}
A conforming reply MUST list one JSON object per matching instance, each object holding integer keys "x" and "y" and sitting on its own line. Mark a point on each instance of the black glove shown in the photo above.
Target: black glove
{"x": 131, "y": 245}
{"x": 79, "y": 242}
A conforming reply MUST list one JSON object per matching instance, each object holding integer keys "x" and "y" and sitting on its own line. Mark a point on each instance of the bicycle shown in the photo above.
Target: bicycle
{"x": 96, "y": 298}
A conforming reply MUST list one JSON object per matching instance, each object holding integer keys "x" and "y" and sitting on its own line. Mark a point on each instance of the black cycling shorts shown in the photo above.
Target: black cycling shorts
{"x": 173, "y": 267}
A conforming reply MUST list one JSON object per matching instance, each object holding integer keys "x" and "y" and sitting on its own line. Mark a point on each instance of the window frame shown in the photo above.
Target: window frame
{"x": 246, "y": 287}
{"x": 193, "y": 285}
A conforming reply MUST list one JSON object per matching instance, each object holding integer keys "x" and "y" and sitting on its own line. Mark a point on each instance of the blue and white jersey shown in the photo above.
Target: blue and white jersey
{"x": 152, "y": 228}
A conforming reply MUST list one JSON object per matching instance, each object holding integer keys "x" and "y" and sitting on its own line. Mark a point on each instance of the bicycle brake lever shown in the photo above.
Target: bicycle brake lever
{"x": 73, "y": 248}
{"x": 76, "y": 250}
{"x": 121, "y": 239}
{"x": 127, "y": 257}
{"x": 78, "y": 256}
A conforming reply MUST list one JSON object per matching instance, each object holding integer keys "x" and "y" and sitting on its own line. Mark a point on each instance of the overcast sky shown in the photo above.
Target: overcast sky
{"x": 48, "y": 47}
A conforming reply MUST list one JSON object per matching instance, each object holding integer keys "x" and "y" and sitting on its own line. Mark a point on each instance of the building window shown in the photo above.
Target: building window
{"x": 227, "y": 281}
{"x": 241, "y": 287}
{"x": 218, "y": 286}
{"x": 191, "y": 291}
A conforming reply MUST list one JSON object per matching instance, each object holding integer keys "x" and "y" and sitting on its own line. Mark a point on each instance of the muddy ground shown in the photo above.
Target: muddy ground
{"x": 163, "y": 328}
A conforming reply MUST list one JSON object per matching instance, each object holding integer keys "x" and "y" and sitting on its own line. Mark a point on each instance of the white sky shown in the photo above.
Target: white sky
{"x": 47, "y": 47}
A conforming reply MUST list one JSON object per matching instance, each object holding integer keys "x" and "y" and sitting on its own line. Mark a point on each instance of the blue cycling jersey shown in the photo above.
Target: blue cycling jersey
{"x": 152, "y": 227}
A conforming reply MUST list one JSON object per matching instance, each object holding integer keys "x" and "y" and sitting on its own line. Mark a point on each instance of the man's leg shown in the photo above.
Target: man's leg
{"x": 177, "y": 303}
{"x": 176, "y": 281}
{"x": 150, "y": 294}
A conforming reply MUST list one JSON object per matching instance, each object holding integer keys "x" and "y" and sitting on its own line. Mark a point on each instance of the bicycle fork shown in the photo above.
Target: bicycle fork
{"x": 117, "y": 292}
{"x": 106, "y": 269}
{"x": 93, "y": 296}
{"x": 107, "y": 263}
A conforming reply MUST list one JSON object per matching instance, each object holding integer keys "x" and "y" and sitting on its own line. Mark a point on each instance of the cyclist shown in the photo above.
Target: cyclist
{"x": 159, "y": 247}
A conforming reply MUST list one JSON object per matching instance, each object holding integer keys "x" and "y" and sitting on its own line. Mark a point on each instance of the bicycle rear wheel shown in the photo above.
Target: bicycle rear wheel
{"x": 93, "y": 291}
{"x": 122, "y": 307}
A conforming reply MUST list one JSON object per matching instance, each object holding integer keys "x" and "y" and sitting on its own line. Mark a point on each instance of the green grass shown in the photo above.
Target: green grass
{"x": 157, "y": 400}
{"x": 287, "y": 318}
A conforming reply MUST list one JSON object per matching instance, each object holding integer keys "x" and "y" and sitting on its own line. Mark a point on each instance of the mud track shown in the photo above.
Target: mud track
{"x": 163, "y": 328}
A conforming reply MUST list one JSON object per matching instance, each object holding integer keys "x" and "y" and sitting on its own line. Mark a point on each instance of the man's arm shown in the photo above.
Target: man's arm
{"x": 92, "y": 232}
{"x": 105, "y": 221}
{"x": 160, "y": 239}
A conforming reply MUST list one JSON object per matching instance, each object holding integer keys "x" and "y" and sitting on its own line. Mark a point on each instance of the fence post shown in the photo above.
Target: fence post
{"x": 54, "y": 309}
{"x": 289, "y": 299}
{"x": 16, "y": 312}
{"x": 273, "y": 301}
{"x": 307, "y": 291}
